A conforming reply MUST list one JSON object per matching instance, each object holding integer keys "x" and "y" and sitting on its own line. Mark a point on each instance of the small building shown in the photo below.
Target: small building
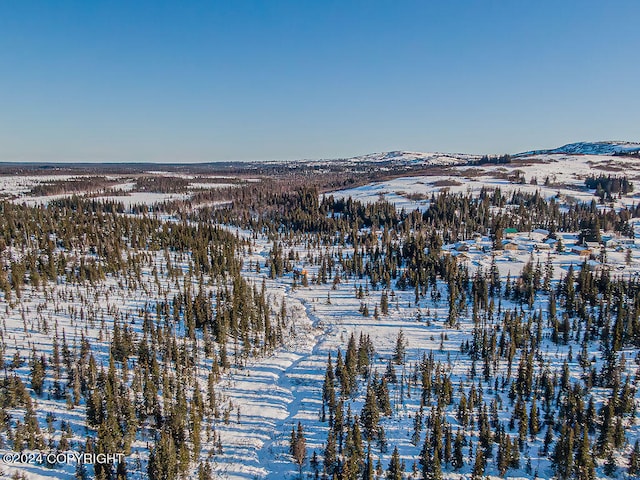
{"x": 510, "y": 232}
{"x": 611, "y": 242}
{"x": 582, "y": 251}
{"x": 511, "y": 246}
{"x": 593, "y": 246}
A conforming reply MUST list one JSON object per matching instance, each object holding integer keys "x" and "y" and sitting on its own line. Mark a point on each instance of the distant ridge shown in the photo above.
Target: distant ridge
{"x": 589, "y": 148}
{"x": 400, "y": 157}
{"x": 382, "y": 160}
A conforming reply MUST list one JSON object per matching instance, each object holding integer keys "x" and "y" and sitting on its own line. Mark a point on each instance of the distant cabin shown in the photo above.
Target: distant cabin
{"x": 541, "y": 231}
{"x": 627, "y": 241}
{"x": 593, "y": 246}
{"x": 511, "y": 246}
{"x": 582, "y": 251}
{"x": 510, "y": 232}
{"x": 611, "y": 243}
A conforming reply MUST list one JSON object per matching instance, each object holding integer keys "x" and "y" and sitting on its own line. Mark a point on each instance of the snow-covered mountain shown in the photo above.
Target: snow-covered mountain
{"x": 415, "y": 157}
{"x": 404, "y": 158}
{"x": 588, "y": 148}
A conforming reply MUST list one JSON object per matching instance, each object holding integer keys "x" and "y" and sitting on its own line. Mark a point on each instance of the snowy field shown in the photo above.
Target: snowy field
{"x": 566, "y": 175}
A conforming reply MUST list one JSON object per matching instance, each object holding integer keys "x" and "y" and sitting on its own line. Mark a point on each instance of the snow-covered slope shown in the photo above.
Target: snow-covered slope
{"x": 415, "y": 158}
{"x": 589, "y": 148}
{"x": 404, "y": 158}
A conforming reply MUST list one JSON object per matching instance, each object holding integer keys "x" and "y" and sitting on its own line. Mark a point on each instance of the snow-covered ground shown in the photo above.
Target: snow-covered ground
{"x": 565, "y": 173}
{"x": 268, "y": 396}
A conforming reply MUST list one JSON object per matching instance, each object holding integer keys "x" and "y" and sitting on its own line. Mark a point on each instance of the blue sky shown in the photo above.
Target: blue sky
{"x": 257, "y": 80}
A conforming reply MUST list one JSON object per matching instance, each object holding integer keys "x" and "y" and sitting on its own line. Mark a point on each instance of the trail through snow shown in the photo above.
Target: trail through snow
{"x": 272, "y": 395}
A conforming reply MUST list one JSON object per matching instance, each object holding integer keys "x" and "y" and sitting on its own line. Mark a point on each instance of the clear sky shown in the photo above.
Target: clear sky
{"x": 193, "y": 81}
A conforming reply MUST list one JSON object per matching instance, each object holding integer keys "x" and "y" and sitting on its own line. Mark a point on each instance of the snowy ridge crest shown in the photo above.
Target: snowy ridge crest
{"x": 400, "y": 157}
{"x": 589, "y": 148}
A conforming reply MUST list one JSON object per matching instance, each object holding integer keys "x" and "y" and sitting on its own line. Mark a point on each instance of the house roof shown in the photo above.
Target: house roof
{"x": 541, "y": 231}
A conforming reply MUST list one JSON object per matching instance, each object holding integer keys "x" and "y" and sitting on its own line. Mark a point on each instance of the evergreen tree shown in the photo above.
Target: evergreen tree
{"x": 37, "y": 373}
{"x": 584, "y": 465}
{"x": 634, "y": 459}
{"x": 395, "y": 471}
{"x": 479, "y": 465}
{"x": 400, "y": 348}
{"x": 458, "y": 455}
{"x": 610, "y": 466}
{"x": 384, "y": 303}
{"x": 298, "y": 447}
{"x": 370, "y": 415}
{"x": 163, "y": 463}
{"x": 331, "y": 453}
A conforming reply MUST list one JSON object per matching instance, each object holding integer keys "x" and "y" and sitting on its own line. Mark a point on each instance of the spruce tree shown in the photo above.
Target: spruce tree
{"x": 634, "y": 459}
{"x": 399, "y": 351}
{"x": 299, "y": 447}
{"x": 394, "y": 472}
{"x": 479, "y": 464}
{"x": 331, "y": 454}
{"x": 458, "y": 455}
{"x": 163, "y": 464}
{"x": 370, "y": 415}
